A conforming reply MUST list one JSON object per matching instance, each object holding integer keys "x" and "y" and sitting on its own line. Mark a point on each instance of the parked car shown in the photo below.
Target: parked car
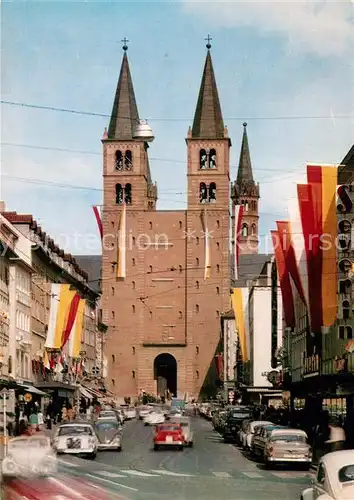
{"x": 234, "y": 419}
{"x": 109, "y": 434}
{"x": 169, "y": 435}
{"x": 260, "y": 437}
{"x": 143, "y": 411}
{"x": 334, "y": 478}
{"x": 76, "y": 438}
{"x": 287, "y": 446}
{"x": 130, "y": 412}
{"x": 111, "y": 414}
{"x": 188, "y": 433}
{"x": 29, "y": 456}
{"x": 154, "y": 417}
{"x": 250, "y": 430}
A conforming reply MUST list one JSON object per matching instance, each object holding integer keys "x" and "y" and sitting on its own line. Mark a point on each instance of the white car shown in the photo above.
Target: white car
{"x": 29, "y": 456}
{"x": 154, "y": 418}
{"x": 334, "y": 478}
{"x": 246, "y": 438}
{"x": 143, "y": 411}
{"x": 76, "y": 438}
{"x": 130, "y": 413}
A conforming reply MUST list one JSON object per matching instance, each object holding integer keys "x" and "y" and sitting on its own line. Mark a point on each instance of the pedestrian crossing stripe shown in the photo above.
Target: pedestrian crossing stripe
{"x": 253, "y": 475}
{"x": 222, "y": 474}
{"x": 170, "y": 473}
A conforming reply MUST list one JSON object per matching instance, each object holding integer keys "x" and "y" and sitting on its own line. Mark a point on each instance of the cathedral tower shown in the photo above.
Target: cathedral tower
{"x": 246, "y": 192}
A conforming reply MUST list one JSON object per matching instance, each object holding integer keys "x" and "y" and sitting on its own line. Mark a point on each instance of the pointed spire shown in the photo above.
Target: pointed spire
{"x": 208, "y": 121}
{"x": 124, "y": 116}
{"x": 245, "y": 174}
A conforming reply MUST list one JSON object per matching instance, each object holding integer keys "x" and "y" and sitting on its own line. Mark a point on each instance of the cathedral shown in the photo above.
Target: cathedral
{"x": 166, "y": 274}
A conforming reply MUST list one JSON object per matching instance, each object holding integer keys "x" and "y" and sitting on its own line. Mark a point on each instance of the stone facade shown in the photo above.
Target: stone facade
{"x": 165, "y": 308}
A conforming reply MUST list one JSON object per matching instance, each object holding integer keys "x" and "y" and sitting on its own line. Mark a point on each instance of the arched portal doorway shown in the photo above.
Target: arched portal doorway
{"x": 165, "y": 373}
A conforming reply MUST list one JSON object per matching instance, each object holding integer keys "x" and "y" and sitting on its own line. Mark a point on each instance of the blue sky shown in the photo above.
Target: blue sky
{"x": 273, "y": 62}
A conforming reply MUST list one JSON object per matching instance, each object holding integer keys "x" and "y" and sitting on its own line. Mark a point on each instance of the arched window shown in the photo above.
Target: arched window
{"x": 119, "y": 160}
{"x": 203, "y": 193}
{"x": 346, "y": 309}
{"x": 244, "y": 230}
{"x": 180, "y": 269}
{"x": 128, "y": 194}
{"x": 113, "y": 358}
{"x": 128, "y": 162}
{"x": 212, "y": 158}
{"x": 119, "y": 194}
{"x": 246, "y": 206}
{"x": 197, "y": 262}
{"x": 197, "y": 285}
{"x": 254, "y": 229}
{"x": 212, "y": 192}
{"x": 203, "y": 159}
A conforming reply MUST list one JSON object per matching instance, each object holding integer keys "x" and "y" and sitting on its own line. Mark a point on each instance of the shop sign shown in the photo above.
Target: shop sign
{"x": 311, "y": 366}
{"x": 341, "y": 363}
{"x": 27, "y": 397}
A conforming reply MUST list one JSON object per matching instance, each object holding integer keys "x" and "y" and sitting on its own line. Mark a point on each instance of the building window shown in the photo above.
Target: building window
{"x": 212, "y": 192}
{"x": 150, "y": 269}
{"x": 203, "y": 193}
{"x": 246, "y": 204}
{"x": 218, "y": 224}
{"x": 345, "y": 287}
{"x": 113, "y": 290}
{"x": 119, "y": 160}
{"x": 197, "y": 285}
{"x": 180, "y": 314}
{"x": 133, "y": 285}
{"x": 180, "y": 269}
{"x": 197, "y": 262}
{"x": 128, "y": 194}
{"x": 217, "y": 268}
{"x": 217, "y": 313}
{"x": 197, "y": 240}
{"x": 128, "y": 162}
{"x": 197, "y": 349}
{"x": 197, "y": 308}
{"x": 119, "y": 194}
{"x": 346, "y": 309}
{"x": 133, "y": 308}
{"x": 133, "y": 373}
{"x": 197, "y": 374}
{"x": 133, "y": 261}
{"x": 244, "y": 230}
{"x": 113, "y": 382}
{"x": 345, "y": 332}
{"x": 113, "y": 266}
{"x": 150, "y": 312}
{"x": 203, "y": 159}
{"x": 112, "y": 223}
{"x": 133, "y": 349}
{"x": 133, "y": 240}
{"x": 112, "y": 314}
{"x": 113, "y": 358}
{"x": 212, "y": 158}
{"x": 150, "y": 225}
{"x": 254, "y": 229}
{"x": 217, "y": 245}
{"x": 218, "y": 290}
{"x": 180, "y": 224}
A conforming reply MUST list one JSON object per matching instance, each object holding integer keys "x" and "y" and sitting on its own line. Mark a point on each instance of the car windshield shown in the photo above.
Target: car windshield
{"x": 289, "y": 438}
{"x": 238, "y": 415}
{"x": 67, "y": 430}
{"x": 346, "y": 474}
{"x": 107, "y": 426}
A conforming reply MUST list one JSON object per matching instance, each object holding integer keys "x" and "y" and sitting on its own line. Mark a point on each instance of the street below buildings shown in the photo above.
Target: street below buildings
{"x": 209, "y": 470}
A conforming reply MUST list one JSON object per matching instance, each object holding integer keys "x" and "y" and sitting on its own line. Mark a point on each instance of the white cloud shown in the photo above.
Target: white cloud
{"x": 322, "y": 27}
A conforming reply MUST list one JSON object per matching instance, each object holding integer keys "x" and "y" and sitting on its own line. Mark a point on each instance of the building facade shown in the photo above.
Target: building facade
{"x": 164, "y": 315}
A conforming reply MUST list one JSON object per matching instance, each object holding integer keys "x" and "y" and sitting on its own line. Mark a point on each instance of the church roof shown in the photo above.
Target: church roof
{"x": 124, "y": 116}
{"x": 208, "y": 121}
{"x": 245, "y": 174}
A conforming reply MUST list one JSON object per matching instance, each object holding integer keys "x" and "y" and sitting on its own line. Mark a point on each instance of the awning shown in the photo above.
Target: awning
{"x": 31, "y": 390}
{"x": 85, "y": 393}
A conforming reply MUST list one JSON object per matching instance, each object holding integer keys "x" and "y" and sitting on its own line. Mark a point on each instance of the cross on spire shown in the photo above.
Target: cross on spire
{"x": 125, "y": 41}
{"x": 208, "y": 39}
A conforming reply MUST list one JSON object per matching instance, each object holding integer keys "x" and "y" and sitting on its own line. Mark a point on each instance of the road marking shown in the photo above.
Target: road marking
{"x": 253, "y": 475}
{"x": 138, "y": 473}
{"x": 288, "y": 475}
{"x": 70, "y": 491}
{"x": 111, "y": 482}
{"x": 222, "y": 474}
{"x": 106, "y": 473}
{"x": 169, "y": 473}
{"x": 69, "y": 464}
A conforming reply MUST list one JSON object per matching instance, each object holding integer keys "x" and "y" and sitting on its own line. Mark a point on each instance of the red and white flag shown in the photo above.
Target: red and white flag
{"x": 237, "y": 232}
{"x": 97, "y": 212}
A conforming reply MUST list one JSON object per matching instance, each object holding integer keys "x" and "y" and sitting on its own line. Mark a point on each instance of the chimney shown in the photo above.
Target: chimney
{"x": 2, "y": 206}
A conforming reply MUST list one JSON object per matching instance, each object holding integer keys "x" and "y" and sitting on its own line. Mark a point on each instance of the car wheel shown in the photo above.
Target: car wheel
{"x": 92, "y": 456}
{"x": 119, "y": 448}
{"x": 181, "y": 448}
{"x": 156, "y": 447}
{"x": 191, "y": 444}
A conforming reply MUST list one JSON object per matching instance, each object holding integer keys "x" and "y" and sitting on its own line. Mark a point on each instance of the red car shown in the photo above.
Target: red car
{"x": 169, "y": 434}
{"x": 54, "y": 488}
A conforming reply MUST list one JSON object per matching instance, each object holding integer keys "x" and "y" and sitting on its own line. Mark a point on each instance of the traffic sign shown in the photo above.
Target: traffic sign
{"x": 231, "y": 395}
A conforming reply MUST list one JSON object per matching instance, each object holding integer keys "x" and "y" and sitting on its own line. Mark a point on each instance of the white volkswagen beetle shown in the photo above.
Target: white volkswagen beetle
{"x": 334, "y": 478}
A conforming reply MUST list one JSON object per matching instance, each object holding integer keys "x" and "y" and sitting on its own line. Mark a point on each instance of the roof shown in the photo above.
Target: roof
{"x": 124, "y": 116}
{"x": 245, "y": 174}
{"x": 250, "y": 267}
{"x": 338, "y": 459}
{"x": 92, "y": 265}
{"x": 208, "y": 121}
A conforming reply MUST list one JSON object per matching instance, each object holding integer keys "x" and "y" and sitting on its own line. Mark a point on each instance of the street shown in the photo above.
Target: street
{"x": 209, "y": 470}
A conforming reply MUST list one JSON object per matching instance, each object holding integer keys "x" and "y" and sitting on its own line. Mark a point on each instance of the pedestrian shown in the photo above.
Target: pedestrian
{"x": 40, "y": 420}
{"x": 336, "y": 439}
{"x": 33, "y": 419}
